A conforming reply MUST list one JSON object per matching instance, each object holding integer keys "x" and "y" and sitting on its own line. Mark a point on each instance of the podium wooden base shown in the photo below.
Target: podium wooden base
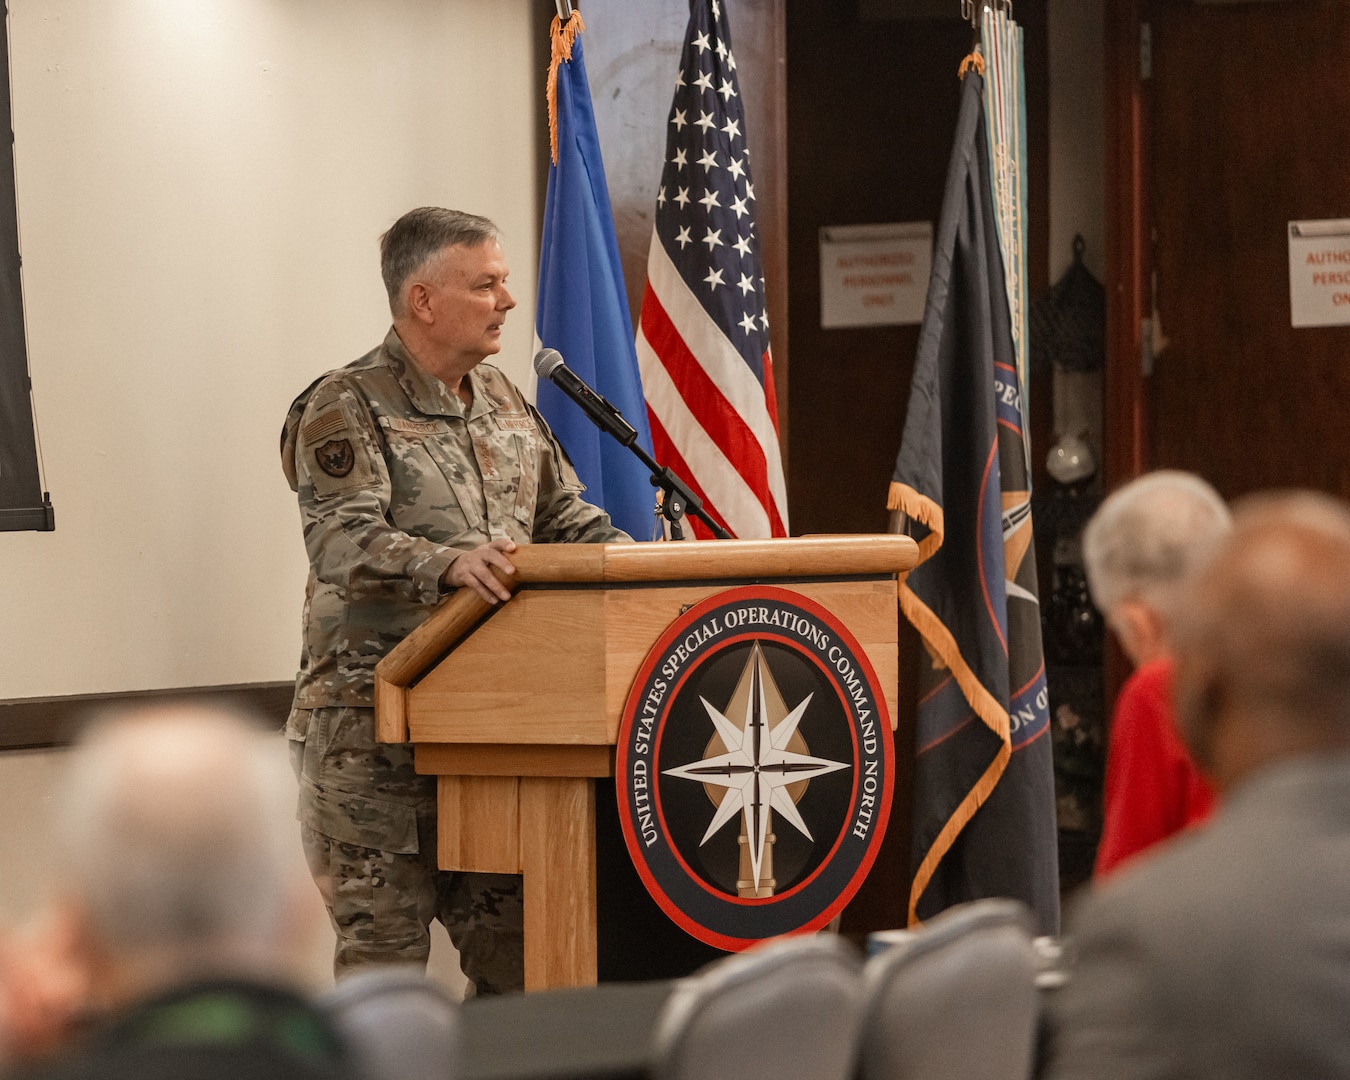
{"x": 516, "y": 708}
{"x": 588, "y": 916}
{"x": 543, "y": 828}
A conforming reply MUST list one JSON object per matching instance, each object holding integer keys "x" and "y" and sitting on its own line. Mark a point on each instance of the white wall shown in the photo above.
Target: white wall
{"x": 201, "y": 185}
{"x": 1077, "y": 38}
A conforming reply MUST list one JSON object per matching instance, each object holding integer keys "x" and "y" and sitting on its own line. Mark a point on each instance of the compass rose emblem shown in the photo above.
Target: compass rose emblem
{"x": 754, "y": 766}
{"x": 758, "y": 770}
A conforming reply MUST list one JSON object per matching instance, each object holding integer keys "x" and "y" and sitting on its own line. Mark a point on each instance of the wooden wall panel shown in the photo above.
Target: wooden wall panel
{"x": 873, "y": 107}
{"x": 1235, "y": 153}
{"x": 1126, "y": 253}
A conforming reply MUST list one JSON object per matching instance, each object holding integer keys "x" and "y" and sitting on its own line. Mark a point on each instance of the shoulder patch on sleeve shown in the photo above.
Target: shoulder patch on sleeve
{"x": 335, "y": 448}
{"x": 336, "y": 457}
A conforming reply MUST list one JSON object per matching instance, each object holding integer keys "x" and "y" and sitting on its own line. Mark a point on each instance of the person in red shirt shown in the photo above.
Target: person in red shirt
{"x": 1138, "y": 549}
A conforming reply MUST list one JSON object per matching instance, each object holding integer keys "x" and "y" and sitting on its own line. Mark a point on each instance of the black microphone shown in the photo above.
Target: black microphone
{"x": 549, "y": 364}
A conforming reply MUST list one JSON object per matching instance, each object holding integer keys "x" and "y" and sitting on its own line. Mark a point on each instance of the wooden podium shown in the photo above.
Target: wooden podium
{"x": 516, "y": 707}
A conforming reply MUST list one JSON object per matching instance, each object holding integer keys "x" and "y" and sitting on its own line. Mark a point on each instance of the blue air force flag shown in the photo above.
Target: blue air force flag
{"x": 582, "y": 305}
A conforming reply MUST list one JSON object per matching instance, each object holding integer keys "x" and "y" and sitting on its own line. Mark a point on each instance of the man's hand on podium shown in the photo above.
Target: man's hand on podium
{"x": 474, "y": 569}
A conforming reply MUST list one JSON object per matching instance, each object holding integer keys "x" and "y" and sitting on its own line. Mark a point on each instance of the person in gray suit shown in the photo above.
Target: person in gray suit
{"x": 1227, "y": 953}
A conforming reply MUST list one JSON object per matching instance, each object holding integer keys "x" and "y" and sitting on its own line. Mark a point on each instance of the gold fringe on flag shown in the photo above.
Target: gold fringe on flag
{"x": 922, "y": 509}
{"x": 952, "y": 829}
{"x": 942, "y": 647}
{"x": 563, "y": 38}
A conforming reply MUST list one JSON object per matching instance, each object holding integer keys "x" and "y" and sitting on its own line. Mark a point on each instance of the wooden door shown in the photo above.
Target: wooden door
{"x": 873, "y": 97}
{"x": 1232, "y": 119}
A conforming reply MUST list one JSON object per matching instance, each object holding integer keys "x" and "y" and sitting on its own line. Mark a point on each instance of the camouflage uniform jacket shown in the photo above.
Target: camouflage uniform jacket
{"x": 396, "y": 478}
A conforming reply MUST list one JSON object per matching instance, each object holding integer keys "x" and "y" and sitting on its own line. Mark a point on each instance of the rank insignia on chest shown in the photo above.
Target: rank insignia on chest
{"x": 336, "y": 457}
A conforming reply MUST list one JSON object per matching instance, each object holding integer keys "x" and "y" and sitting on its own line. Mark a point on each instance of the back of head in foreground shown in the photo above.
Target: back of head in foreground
{"x": 1140, "y": 547}
{"x": 1262, "y": 639}
{"x": 178, "y": 856}
{"x": 1224, "y": 953}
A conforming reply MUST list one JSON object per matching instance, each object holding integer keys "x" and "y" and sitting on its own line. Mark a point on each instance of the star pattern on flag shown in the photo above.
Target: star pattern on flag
{"x": 702, "y": 337}
{"x": 706, "y": 153}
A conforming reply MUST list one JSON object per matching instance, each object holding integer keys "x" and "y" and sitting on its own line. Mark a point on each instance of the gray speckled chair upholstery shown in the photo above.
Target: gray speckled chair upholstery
{"x": 956, "y": 999}
{"x": 397, "y": 1023}
{"x": 787, "y": 1008}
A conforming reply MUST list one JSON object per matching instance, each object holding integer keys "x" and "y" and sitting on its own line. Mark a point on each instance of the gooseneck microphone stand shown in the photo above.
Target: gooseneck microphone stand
{"x": 677, "y": 499}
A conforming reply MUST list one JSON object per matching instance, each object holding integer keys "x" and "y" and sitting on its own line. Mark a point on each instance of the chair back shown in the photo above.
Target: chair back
{"x": 398, "y": 1024}
{"x": 957, "y": 998}
{"x": 789, "y": 1007}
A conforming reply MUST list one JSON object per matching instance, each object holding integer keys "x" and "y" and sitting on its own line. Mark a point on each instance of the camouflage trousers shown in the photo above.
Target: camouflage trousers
{"x": 368, "y": 824}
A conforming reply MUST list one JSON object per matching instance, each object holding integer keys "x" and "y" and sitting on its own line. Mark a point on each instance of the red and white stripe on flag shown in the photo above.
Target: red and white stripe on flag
{"x": 711, "y": 420}
{"x": 703, "y": 332}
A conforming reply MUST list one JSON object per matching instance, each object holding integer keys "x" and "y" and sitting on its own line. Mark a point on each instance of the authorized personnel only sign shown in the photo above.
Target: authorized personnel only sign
{"x": 1319, "y": 272}
{"x": 874, "y": 275}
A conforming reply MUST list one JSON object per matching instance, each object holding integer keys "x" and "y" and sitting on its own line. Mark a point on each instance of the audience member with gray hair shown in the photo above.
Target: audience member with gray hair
{"x": 182, "y": 881}
{"x": 1140, "y": 549}
{"x": 1226, "y": 954}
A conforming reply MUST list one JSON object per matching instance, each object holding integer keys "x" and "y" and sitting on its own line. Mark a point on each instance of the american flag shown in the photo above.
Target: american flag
{"x": 703, "y": 334}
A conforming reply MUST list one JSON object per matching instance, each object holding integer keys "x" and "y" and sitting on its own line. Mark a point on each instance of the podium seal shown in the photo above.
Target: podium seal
{"x": 754, "y": 767}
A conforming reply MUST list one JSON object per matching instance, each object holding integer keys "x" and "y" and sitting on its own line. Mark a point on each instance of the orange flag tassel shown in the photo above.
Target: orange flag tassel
{"x": 974, "y": 60}
{"x": 563, "y": 38}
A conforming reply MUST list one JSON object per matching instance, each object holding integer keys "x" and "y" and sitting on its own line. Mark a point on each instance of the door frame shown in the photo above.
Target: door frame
{"x": 1125, "y": 413}
{"x": 1128, "y": 250}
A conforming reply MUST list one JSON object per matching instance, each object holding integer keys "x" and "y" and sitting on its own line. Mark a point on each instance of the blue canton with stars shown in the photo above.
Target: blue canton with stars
{"x": 705, "y": 207}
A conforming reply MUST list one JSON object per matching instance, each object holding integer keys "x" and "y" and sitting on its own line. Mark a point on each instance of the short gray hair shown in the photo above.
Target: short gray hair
{"x": 419, "y": 236}
{"x": 177, "y": 837}
{"x": 1148, "y": 537}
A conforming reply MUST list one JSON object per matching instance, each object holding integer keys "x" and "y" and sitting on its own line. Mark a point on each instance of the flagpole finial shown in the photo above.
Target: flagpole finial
{"x": 564, "y": 10}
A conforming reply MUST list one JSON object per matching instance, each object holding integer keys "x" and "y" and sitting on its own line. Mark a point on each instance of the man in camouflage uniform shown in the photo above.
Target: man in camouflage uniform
{"x": 417, "y": 471}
